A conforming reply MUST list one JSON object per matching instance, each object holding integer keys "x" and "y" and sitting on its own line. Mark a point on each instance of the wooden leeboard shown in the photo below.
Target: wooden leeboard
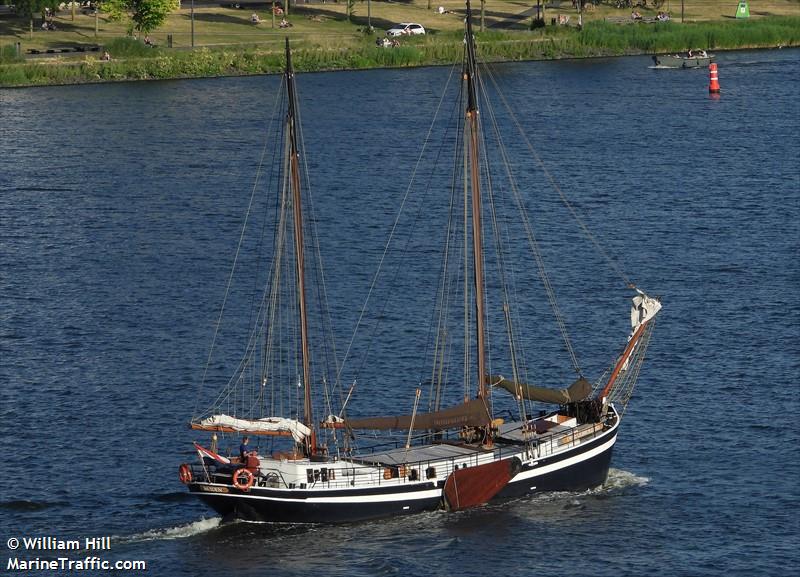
{"x": 475, "y": 486}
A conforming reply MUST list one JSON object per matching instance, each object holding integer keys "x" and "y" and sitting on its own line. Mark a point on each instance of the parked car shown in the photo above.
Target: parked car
{"x": 405, "y": 29}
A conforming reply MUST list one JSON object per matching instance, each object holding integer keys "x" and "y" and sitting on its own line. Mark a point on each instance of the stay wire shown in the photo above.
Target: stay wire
{"x": 389, "y": 240}
{"x": 564, "y": 199}
{"x": 532, "y": 237}
{"x": 233, "y": 266}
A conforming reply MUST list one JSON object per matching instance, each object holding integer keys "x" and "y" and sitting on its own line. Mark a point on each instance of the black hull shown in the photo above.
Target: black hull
{"x": 584, "y": 467}
{"x": 586, "y": 474}
{"x": 298, "y": 512}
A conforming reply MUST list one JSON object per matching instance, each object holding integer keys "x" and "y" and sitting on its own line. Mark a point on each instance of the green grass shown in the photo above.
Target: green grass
{"x": 672, "y": 36}
{"x": 333, "y": 44}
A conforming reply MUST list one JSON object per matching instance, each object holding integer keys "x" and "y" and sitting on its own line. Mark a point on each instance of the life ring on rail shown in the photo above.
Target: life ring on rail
{"x": 243, "y": 485}
{"x": 185, "y": 474}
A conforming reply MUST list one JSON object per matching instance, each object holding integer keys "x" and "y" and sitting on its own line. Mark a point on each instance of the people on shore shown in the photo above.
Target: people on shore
{"x": 387, "y": 42}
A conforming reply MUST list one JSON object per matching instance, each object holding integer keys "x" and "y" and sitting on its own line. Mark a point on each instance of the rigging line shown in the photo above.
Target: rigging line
{"x": 513, "y": 343}
{"x": 264, "y": 302}
{"x": 269, "y": 297}
{"x": 573, "y": 211}
{"x": 398, "y": 267}
{"x": 238, "y": 373}
{"x": 498, "y": 242}
{"x": 441, "y": 305}
{"x": 442, "y": 341}
{"x": 533, "y": 242}
{"x": 393, "y": 229}
{"x": 322, "y": 291}
{"x": 273, "y": 297}
{"x": 250, "y": 349}
{"x": 466, "y": 292}
{"x": 275, "y": 174}
{"x": 235, "y": 260}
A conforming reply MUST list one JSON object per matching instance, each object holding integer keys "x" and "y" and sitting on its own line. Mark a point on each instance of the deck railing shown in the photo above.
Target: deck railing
{"x": 539, "y": 446}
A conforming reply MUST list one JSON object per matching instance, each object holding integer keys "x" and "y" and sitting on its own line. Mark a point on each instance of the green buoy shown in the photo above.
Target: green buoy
{"x": 743, "y": 10}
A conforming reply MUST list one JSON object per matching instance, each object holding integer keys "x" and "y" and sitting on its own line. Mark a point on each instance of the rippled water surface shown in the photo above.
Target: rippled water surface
{"x": 119, "y": 216}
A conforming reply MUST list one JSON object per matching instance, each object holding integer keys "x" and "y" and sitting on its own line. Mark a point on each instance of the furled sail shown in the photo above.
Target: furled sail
{"x": 577, "y": 391}
{"x": 643, "y": 309}
{"x": 626, "y": 370}
{"x": 470, "y": 414}
{"x": 265, "y": 426}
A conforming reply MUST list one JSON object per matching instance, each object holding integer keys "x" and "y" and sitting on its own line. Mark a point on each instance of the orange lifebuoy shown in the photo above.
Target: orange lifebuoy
{"x": 185, "y": 474}
{"x": 248, "y": 479}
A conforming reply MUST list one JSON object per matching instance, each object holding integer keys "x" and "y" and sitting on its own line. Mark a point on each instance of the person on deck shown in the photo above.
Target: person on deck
{"x": 244, "y": 450}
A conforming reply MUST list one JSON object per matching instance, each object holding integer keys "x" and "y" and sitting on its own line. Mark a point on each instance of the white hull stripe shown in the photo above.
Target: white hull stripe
{"x": 384, "y": 498}
{"x": 538, "y": 471}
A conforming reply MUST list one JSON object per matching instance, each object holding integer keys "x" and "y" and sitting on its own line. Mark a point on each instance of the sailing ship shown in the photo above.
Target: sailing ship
{"x": 452, "y": 457}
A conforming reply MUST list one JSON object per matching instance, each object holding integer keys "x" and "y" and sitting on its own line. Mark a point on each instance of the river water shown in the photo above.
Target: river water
{"x": 119, "y": 216}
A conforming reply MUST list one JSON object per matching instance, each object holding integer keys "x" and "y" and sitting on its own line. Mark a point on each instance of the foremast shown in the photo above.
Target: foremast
{"x": 295, "y": 185}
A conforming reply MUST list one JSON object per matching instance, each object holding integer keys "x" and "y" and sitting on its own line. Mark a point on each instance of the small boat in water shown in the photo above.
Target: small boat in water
{"x": 458, "y": 452}
{"x": 692, "y": 59}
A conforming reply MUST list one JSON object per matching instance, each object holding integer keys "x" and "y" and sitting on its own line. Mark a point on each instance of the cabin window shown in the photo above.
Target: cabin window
{"x": 413, "y": 475}
{"x": 430, "y": 473}
{"x": 310, "y": 475}
{"x": 324, "y": 475}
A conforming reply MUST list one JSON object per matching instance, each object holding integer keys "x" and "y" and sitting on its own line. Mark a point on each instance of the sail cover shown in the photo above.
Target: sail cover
{"x": 470, "y": 414}
{"x": 643, "y": 309}
{"x": 269, "y": 424}
{"x": 577, "y": 391}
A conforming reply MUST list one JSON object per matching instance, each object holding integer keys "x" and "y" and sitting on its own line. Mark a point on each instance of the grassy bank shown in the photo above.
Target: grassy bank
{"x": 133, "y": 61}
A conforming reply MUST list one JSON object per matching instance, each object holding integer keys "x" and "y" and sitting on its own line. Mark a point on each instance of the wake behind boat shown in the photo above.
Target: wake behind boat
{"x": 452, "y": 455}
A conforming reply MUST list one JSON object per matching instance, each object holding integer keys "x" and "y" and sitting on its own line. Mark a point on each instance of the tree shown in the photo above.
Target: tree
{"x": 143, "y": 16}
{"x": 28, "y": 8}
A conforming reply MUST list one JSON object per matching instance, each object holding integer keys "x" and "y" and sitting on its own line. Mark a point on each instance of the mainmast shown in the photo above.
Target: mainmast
{"x": 294, "y": 179}
{"x": 472, "y": 135}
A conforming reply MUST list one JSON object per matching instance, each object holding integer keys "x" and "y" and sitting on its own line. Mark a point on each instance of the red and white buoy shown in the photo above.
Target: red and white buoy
{"x": 713, "y": 79}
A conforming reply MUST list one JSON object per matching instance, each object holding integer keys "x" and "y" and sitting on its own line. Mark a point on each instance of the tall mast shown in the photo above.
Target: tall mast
{"x": 294, "y": 179}
{"x": 470, "y": 76}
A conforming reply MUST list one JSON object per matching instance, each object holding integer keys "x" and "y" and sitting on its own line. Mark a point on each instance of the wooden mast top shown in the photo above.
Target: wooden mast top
{"x": 473, "y": 135}
{"x": 294, "y": 176}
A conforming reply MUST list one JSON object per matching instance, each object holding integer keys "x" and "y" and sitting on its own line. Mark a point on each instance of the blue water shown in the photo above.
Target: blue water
{"x": 120, "y": 212}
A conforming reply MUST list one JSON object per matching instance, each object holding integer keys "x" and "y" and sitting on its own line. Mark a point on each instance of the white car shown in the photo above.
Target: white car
{"x": 405, "y": 29}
